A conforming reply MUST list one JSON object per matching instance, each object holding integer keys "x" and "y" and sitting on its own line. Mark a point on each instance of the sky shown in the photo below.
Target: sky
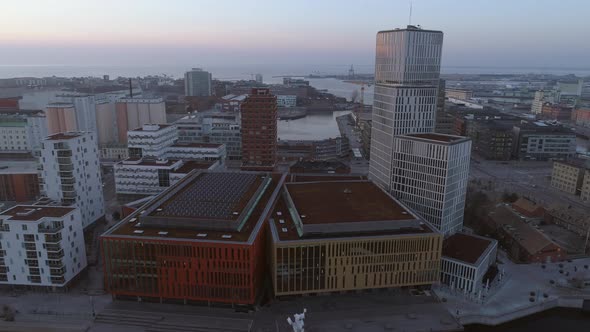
{"x": 488, "y": 33}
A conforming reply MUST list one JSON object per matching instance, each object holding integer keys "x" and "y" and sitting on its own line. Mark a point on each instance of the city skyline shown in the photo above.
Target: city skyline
{"x": 478, "y": 33}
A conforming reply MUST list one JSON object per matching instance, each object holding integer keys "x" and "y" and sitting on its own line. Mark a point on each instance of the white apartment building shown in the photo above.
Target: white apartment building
{"x": 22, "y": 132}
{"x": 407, "y": 70}
{"x": 149, "y": 176}
{"x": 286, "y": 100}
{"x": 430, "y": 174}
{"x": 465, "y": 261}
{"x": 151, "y": 140}
{"x": 41, "y": 245}
{"x": 71, "y": 173}
{"x": 542, "y": 97}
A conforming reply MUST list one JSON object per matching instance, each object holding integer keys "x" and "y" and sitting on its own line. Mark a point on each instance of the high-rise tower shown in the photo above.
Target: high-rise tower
{"x": 259, "y": 131}
{"x": 407, "y": 70}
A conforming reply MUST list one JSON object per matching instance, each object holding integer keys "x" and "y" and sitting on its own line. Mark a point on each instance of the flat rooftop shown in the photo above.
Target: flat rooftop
{"x": 465, "y": 248}
{"x": 205, "y": 206}
{"x": 345, "y": 201}
{"x": 36, "y": 212}
{"x": 152, "y": 127}
{"x": 62, "y": 136}
{"x": 439, "y": 137}
{"x": 18, "y": 166}
{"x": 148, "y": 162}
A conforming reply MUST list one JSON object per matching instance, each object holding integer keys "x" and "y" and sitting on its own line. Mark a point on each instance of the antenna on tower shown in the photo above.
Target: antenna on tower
{"x": 410, "y": 18}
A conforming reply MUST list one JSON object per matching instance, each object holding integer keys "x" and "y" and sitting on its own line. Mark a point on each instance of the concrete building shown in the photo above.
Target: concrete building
{"x": 151, "y": 140}
{"x": 430, "y": 175}
{"x": 576, "y": 220}
{"x": 569, "y": 175}
{"x": 201, "y": 240}
{"x": 286, "y": 100}
{"x": 581, "y": 116}
{"x": 259, "y": 131}
{"x": 231, "y": 103}
{"x": 22, "y": 132}
{"x": 133, "y": 113}
{"x": 85, "y": 112}
{"x": 71, "y": 173}
{"x": 197, "y": 83}
{"x": 542, "y": 141}
{"x": 19, "y": 180}
{"x": 326, "y": 149}
{"x": 460, "y": 94}
{"x": 61, "y": 117}
{"x": 523, "y": 241}
{"x": 407, "y": 70}
{"x": 41, "y": 245}
{"x": 320, "y": 167}
{"x": 344, "y": 235}
{"x": 466, "y": 259}
{"x": 106, "y": 122}
{"x": 114, "y": 151}
{"x": 148, "y": 176}
{"x": 558, "y": 112}
{"x": 213, "y": 127}
{"x": 259, "y": 78}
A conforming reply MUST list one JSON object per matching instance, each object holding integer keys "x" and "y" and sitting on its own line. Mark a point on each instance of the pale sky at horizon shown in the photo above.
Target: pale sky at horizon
{"x": 500, "y": 33}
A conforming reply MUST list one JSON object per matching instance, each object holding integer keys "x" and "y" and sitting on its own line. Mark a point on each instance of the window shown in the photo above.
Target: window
{"x": 24, "y": 227}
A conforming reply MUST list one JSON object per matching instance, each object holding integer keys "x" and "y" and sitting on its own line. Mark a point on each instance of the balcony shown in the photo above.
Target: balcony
{"x": 30, "y": 246}
{"x": 2, "y": 253}
{"x": 31, "y": 255}
{"x": 52, "y": 247}
{"x": 3, "y": 269}
{"x": 52, "y": 238}
{"x": 55, "y": 263}
{"x": 69, "y": 195}
{"x": 34, "y": 271}
{"x": 58, "y": 280}
{"x": 64, "y": 160}
{"x": 57, "y": 272}
{"x": 32, "y": 262}
{"x": 35, "y": 279}
{"x": 3, "y": 277}
{"x": 66, "y": 168}
{"x": 4, "y": 228}
{"x": 55, "y": 255}
{"x": 51, "y": 228}
{"x": 67, "y": 188}
{"x": 67, "y": 181}
{"x": 64, "y": 153}
{"x": 29, "y": 238}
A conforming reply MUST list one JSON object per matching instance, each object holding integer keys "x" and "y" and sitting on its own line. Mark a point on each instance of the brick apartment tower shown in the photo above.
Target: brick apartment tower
{"x": 259, "y": 131}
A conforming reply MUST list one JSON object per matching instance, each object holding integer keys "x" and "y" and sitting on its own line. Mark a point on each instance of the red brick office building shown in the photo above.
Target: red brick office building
{"x": 259, "y": 131}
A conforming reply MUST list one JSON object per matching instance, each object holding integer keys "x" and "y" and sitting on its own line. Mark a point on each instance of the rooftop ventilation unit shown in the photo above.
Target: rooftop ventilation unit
{"x": 132, "y": 220}
{"x": 163, "y": 233}
{"x": 348, "y": 191}
{"x": 138, "y": 231}
{"x": 284, "y": 230}
{"x": 202, "y": 235}
{"x": 281, "y": 221}
{"x": 137, "y": 225}
{"x": 226, "y": 236}
{"x": 25, "y": 212}
{"x": 279, "y": 213}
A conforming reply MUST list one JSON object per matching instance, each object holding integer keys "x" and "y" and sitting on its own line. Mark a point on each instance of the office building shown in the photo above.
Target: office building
{"x": 542, "y": 97}
{"x": 286, "y": 100}
{"x": 259, "y": 78}
{"x": 492, "y": 140}
{"x": 197, "y": 83}
{"x": 202, "y": 240}
{"x": 213, "y": 127}
{"x": 344, "y": 235}
{"x": 151, "y": 140}
{"x": 581, "y": 116}
{"x": 259, "y": 131}
{"x": 106, "y": 123}
{"x": 542, "y": 141}
{"x": 465, "y": 261}
{"x": 558, "y": 112}
{"x": 133, "y": 113}
{"x": 197, "y": 151}
{"x": 71, "y": 173}
{"x": 430, "y": 175}
{"x": 569, "y": 175}
{"x": 407, "y": 70}
{"x": 41, "y": 245}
